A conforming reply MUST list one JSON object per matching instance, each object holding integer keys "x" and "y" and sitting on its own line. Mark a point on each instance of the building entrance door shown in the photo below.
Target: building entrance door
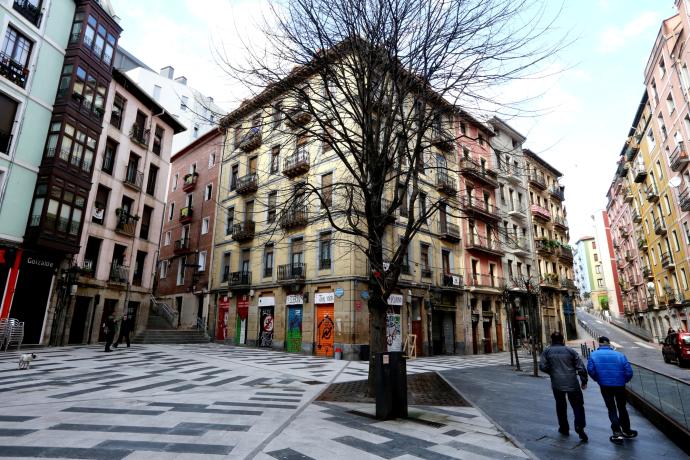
{"x": 499, "y": 337}
{"x": 417, "y": 330}
{"x": 488, "y": 346}
{"x": 294, "y": 329}
{"x": 475, "y": 335}
{"x": 325, "y": 330}
{"x": 78, "y": 325}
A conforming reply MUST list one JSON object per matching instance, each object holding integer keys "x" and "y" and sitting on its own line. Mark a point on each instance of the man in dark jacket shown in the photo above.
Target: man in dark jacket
{"x": 611, "y": 370}
{"x": 125, "y": 329}
{"x": 109, "y": 331}
{"x": 563, "y": 364}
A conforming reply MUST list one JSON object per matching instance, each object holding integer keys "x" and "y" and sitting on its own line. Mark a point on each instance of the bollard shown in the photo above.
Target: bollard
{"x": 391, "y": 385}
{"x": 338, "y": 354}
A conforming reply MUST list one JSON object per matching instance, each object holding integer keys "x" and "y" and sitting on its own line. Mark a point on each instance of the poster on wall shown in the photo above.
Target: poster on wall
{"x": 242, "y": 314}
{"x": 266, "y": 327}
{"x": 394, "y": 332}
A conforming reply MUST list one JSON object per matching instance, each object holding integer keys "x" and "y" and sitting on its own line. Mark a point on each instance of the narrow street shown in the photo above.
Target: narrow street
{"x": 636, "y": 349}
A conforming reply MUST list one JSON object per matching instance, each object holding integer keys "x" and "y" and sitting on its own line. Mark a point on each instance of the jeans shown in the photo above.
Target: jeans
{"x": 615, "y": 400}
{"x": 577, "y": 402}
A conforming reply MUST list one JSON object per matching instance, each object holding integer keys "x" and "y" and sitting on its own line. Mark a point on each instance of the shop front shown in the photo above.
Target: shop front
{"x": 325, "y": 323}
{"x": 266, "y": 321}
{"x": 242, "y": 319}
{"x": 222, "y": 322}
{"x": 295, "y": 309}
{"x": 443, "y": 320}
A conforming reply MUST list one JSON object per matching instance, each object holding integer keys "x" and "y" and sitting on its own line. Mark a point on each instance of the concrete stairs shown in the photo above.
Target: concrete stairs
{"x": 159, "y": 331}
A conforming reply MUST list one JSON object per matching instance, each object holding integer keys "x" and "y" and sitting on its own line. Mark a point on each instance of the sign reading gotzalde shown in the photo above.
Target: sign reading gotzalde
{"x": 267, "y": 301}
{"x": 294, "y": 299}
{"x": 40, "y": 262}
{"x": 324, "y": 297}
{"x": 395, "y": 299}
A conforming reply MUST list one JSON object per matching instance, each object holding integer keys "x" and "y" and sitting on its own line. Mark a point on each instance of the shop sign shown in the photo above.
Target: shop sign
{"x": 339, "y": 292}
{"x": 223, "y": 302}
{"x": 267, "y": 301}
{"x": 395, "y": 299}
{"x": 324, "y": 297}
{"x": 43, "y": 263}
{"x": 294, "y": 299}
{"x": 364, "y": 295}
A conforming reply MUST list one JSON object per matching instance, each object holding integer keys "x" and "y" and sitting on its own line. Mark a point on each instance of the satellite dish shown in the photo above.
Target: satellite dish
{"x": 675, "y": 181}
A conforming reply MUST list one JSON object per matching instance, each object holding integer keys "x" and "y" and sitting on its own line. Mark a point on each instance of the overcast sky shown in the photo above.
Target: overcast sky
{"x": 588, "y": 107}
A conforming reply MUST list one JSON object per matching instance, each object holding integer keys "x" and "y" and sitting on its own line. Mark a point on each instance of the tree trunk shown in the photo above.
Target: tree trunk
{"x": 377, "y": 336}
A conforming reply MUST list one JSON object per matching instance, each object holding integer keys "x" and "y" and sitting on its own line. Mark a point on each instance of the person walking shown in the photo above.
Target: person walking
{"x": 109, "y": 330}
{"x": 564, "y": 365}
{"x": 611, "y": 370}
{"x": 125, "y": 329}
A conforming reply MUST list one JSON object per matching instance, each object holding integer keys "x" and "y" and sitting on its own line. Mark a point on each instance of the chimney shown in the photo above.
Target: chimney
{"x": 167, "y": 72}
{"x": 182, "y": 80}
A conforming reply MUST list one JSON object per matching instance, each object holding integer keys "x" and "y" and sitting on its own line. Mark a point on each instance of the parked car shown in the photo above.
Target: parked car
{"x": 676, "y": 347}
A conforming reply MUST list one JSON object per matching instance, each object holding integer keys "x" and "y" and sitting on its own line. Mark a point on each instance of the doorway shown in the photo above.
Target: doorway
{"x": 294, "y": 329}
{"x": 325, "y": 330}
{"x": 79, "y": 316}
{"x": 266, "y": 324}
{"x": 488, "y": 346}
{"x": 475, "y": 335}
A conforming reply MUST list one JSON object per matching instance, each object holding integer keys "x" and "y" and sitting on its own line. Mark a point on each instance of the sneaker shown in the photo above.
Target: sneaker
{"x": 582, "y": 434}
{"x": 630, "y": 434}
{"x": 565, "y": 432}
{"x": 616, "y": 438}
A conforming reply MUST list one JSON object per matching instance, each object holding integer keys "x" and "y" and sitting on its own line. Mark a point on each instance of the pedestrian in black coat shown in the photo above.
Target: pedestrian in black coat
{"x": 109, "y": 330}
{"x": 125, "y": 329}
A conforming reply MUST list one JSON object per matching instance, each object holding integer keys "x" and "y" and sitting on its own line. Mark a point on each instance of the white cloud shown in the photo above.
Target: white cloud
{"x": 614, "y": 38}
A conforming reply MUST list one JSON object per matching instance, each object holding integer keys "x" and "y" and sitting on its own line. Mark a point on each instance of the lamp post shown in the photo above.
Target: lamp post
{"x": 510, "y": 314}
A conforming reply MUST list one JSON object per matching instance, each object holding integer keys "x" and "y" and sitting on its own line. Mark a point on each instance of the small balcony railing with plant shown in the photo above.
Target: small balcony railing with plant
{"x": 133, "y": 178}
{"x": 139, "y": 134}
{"x": 679, "y": 157}
{"x": 118, "y": 273}
{"x": 549, "y": 280}
{"x": 297, "y": 163}
{"x": 30, "y": 11}
{"x": 244, "y": 231}
{"x": 445, "y": 183}
{"x": 13, "y": 71}
{"x": 540, "y": 212}
{"x": 182, "y": 245}
{"x": 451, "y": 280}
{"x": 294, "y": 216}
{"x": 547, "y": 246}
{"x": 659, "y": 226}
{"x": 189, "y": 181}
{"x": 126, "y": 223}
{"x": 251, "y": 139}
{"x": 241, "y": 279}
{"x": 247, "y": 184}
{"x": 186, "y": 214}
{"x": 292, "y": 272}
{"x": 565, "y": 253}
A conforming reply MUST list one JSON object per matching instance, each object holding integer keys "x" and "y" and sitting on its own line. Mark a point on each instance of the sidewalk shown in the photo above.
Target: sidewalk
{"x": 523, "y": 406}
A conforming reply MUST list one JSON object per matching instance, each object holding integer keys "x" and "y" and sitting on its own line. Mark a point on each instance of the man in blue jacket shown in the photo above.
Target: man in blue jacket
{"x": 611, "y": 370}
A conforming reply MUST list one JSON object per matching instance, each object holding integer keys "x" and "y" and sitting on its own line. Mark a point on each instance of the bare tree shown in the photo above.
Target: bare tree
{"x": 381, "y": 84}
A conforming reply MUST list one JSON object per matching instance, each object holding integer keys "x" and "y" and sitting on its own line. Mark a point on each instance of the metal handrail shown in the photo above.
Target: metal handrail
{"x": 165, "y": 310}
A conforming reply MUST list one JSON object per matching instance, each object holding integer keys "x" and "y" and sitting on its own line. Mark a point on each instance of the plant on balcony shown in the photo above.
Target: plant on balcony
{"x": 370, "y": 166}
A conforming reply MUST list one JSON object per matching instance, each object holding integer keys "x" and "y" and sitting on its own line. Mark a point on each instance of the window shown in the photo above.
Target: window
{"x": 156, "y": 92}
{"x": 8, "y": 111}
{"x": 597, "y": 268}
{"x": 424, "y": 257}
{"x": 181, "y": 262}
{"x": 662, "y": 128}
{"x": 229, "y": 221}
{"x": 225, "y": 267}
{"x": 151, "y": 181}
{"x": 655, "y": 93}
{"x": 145, "y": 226}
{"x": 175, "y": 179}
{"x": 157, "y": 140}
{"x": 183, "y": 103}
{"x": 686, "y": 230}
{"x": 271, "y": 207}
{"x": 204, "y": 225}
{"x": 165, "y": 264}
{"x": 327, "y": 189}
{"x": 268, "y": 261}
{"x": 684, "y": 279}
{"x": 234, "y": 175}
{"x": 166, "y": 240}
{"x": 275, "y": 159}
{"x": 325, "y": 251}
{"x": 422, "y": 207}
{"x": 202, "y": 261}
{"x": 2, "y": 177}
{"x": 600, "y": 283}
{"x": 277, "y": 114}
{"x": 171, "y": 211}
{"x": 17, "y": 49}
{"x": 109, "y": 156}
{"x": 211, "y": 160}
{"x": 676, "y": 243}
{"x": 208, "y": 192}
{"x": 77, "y": 146}
{"x": 670, "y": 104}
{"x": 662, "y": 67}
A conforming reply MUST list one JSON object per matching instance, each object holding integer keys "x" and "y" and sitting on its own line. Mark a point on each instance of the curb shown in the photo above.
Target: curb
{"x": 509, "y": 436}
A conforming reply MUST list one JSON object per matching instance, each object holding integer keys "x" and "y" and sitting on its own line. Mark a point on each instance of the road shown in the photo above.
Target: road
{"x": 636, "y": 349}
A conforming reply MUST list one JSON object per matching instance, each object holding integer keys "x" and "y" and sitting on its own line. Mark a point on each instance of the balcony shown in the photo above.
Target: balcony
{"x": 568, "y": 284}
{"x": 550, "y": 280}
{"x": 660, "y": 226}
{"x": 118, "y": 273}
{"x": 13, "y": 71}
{"x": 537, "y": 180}
{"x": 446, "y": 184}
{"x": 240, "y": 280}
{"x": 296, "y": 164}
{"x": 622, "y": 170}
{"x": 451, "y": 281}
{"x": 247, "y": 184}
{"x": 684, "y": 199}
{"x": 480, "y": 209}
{"x": 485, "y": 245}
{"x": 243, "y": 231}
{"x": 189, "y": 181}
{"x": 449, "y": 232}
{"x": 540, "y": 212}
{"x": 294, "y": 216}
{"x": 667, "y": 261}
{"x": 647, "y": 274}
{"x": 298, "y": 116}
{"x": 133, "y": 178}
{"x": 560, "y": 222}
{"x": 126, "y": 223}
{"x": 442, "y": 138}
{"x": 642, "y": 244}
{"x": 557, "y": 192}
{"x": 186, "y": 215}
{"x": 251, "y": 140}
{"x": 478, "y": 172}
{"x": 625, "y": 232}
{"x": 652, "y": 194}
{"x": 182, "y": 246}
{"x": 546, "y": 246}
{"x": 427, "y": 272}
{"x": 292, "y": 273}
{"x": 679, "y": 158}
{"x": 476, "y": 280}
{"x": 140, "y": 135}
{"x": 628, "y": 196}
{"x": 636, "y": 217}
{"x": 517, "y": 213}
{"x": 31, "y": 12}
{"x": 565, "y": 254}
{"x": 628, "y": 256}
{"x": 519, "y": 245}
{"x": 640, "y": 173}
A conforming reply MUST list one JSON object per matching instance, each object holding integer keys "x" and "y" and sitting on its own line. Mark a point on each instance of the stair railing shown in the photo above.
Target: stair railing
{"x": 164, "y": 310}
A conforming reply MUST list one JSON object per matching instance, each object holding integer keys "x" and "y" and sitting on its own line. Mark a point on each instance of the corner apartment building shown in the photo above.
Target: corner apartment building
{"x": 516, "y": 224}
{"x": 33, "y": 36}
{"x": 58, "y": 200}
{"x": 301, "y": 287}
{"x": 123, "y": 215}
{"x": 187, "y": 245}
{"x": 554, "y": 254}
